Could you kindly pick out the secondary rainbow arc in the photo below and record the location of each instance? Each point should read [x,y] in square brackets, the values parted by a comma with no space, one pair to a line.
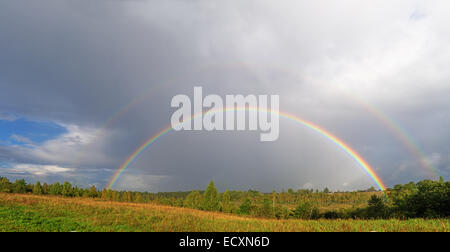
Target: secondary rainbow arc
[403,136]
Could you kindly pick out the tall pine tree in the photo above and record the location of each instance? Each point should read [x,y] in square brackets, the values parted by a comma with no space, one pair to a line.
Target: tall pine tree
[211,198]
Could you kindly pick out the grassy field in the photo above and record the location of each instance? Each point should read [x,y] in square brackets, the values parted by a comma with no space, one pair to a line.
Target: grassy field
[45,213]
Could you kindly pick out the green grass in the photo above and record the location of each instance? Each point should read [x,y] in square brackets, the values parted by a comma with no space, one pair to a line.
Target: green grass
[48,214]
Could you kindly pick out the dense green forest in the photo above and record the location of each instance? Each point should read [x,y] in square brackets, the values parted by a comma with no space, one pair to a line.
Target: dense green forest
[424,199]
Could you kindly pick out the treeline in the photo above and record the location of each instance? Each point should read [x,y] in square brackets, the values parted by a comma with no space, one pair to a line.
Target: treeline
[425,199]
[65,189]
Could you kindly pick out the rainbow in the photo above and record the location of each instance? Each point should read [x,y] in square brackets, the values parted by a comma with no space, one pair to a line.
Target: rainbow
[396,130]
[402,135]
[341,144]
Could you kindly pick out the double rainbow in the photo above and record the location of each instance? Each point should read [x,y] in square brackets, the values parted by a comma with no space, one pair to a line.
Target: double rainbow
[403,136]
[341,144]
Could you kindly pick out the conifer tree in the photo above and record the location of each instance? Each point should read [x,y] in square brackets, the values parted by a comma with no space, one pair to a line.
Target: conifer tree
[37,188]
[226,202]
[67,190]
[93,192]
[211,198]
[45,188]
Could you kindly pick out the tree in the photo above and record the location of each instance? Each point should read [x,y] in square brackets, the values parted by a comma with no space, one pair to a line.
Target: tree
[426,199]
[282,212]
[211,198]
[37,188]
[377,208]
[123,196]
[371,189]
[266,209]
[431,199]
[67,190]
[274,200]
[226,202]
[5,185]
[55,189]
[114,195]
[400,196]
[194,200]
[104,194]
[306,210]
[246,207]
[137,197]
[45,188]
[20,186]
[93,192]
[326,190]
[76,192]
[85,194]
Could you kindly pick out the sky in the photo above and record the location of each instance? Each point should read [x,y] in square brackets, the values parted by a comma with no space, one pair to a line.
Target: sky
[84,83]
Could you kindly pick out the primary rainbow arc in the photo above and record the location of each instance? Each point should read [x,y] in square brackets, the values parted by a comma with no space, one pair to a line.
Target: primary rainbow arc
[341,144]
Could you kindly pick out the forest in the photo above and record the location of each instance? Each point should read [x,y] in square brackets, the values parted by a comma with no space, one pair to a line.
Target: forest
[425,199]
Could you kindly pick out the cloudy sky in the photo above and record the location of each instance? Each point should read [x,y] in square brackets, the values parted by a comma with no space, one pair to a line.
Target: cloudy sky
[84,83]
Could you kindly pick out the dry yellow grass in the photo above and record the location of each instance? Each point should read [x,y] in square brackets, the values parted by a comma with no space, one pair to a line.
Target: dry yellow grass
[49,213]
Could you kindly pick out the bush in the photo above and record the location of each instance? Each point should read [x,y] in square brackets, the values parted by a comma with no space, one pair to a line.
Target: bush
[332,215]
[245,208]
[377,208]
[306,210]
[266,210]
[282,212]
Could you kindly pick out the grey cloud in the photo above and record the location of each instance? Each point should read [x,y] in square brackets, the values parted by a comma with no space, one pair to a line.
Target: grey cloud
[110,68]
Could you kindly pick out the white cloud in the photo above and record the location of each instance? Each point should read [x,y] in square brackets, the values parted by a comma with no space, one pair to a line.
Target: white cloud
[21,139]
[308,185]
[39,170]
[79,146]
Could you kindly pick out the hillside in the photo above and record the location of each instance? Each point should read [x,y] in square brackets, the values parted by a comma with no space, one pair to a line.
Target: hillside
[24,212]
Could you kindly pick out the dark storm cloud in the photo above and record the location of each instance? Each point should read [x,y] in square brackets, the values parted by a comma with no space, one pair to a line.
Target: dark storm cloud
[80,62]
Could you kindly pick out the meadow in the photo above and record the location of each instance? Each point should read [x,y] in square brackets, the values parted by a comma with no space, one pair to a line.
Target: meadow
[28,212]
